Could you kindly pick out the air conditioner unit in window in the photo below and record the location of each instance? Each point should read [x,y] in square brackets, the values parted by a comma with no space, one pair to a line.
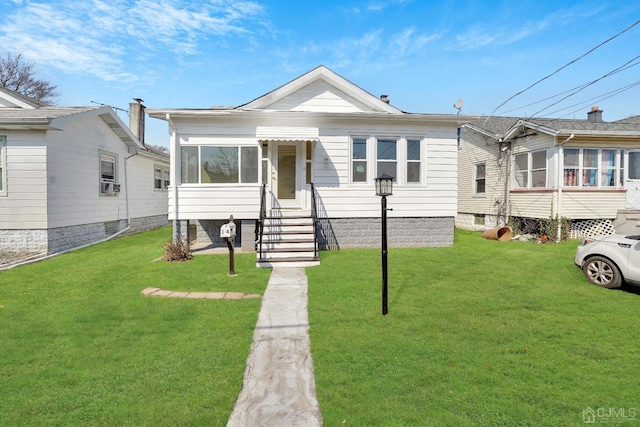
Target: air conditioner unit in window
[116,188]
[106,187]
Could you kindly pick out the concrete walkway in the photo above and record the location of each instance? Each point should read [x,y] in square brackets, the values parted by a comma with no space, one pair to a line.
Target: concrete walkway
[278,385]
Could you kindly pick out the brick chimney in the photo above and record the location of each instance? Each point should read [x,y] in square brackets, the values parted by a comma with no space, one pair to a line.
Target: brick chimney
[136,118]
[595,115]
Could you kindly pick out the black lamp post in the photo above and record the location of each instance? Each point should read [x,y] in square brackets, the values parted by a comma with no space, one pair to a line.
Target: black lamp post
[384,188]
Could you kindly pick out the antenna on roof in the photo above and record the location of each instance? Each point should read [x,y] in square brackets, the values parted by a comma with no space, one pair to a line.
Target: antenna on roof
[106,105]
[458,105]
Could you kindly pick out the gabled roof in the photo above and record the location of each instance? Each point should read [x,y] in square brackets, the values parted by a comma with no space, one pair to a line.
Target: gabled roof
[335,81]
[502,128]
[28,114]
[9,98]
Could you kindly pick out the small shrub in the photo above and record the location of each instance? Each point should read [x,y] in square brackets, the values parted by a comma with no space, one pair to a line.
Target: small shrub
[177,250]
[541,227]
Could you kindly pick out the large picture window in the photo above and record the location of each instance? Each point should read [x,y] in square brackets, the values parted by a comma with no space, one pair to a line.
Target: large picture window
[387,157]
[593,167]
[530,170]
[3,165]
[219,165]
[359,159]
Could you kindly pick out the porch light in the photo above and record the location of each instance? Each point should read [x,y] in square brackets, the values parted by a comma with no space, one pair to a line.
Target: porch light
[384,185]
[384,188]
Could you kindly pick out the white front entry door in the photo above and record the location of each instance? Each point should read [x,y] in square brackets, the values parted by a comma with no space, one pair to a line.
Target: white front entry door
[287,178]
[632,180]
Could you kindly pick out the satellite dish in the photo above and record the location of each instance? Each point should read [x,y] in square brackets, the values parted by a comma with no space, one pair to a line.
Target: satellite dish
[458,104]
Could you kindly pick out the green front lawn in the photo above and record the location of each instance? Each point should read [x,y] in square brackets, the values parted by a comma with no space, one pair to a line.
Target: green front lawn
[481,333]
[80,345]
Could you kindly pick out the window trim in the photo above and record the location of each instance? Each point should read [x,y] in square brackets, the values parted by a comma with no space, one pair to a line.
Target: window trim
[238,147]
[619,169]
[395,161]
[352,160]
[101,181]
[3,165]
[164,183]
[420,161]
[530,170]
[476,179]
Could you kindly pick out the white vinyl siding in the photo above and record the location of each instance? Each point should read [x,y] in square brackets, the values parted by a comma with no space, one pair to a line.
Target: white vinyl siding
[3,165]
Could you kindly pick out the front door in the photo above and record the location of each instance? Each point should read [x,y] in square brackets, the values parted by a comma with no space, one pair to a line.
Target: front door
[632,181]
[285,178]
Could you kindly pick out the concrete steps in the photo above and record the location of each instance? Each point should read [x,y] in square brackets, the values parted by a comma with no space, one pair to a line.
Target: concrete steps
[288,240]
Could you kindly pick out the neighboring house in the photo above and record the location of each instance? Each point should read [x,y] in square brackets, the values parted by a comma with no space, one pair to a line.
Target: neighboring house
[318,136]
[547,169]
[73,176]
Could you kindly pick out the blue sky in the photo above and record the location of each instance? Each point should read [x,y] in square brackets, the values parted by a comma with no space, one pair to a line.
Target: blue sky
[424,54]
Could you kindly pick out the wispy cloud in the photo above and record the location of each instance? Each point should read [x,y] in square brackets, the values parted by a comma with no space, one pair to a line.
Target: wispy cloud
[96,37]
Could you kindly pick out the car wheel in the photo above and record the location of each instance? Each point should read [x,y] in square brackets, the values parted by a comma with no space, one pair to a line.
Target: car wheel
[602,272]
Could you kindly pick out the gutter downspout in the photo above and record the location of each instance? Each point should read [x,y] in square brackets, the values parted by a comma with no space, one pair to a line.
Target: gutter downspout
[560,184]
[507,184]
[175,161]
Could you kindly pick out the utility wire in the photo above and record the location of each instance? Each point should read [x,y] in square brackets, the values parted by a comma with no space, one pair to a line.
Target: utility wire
[565,66]
[610,73]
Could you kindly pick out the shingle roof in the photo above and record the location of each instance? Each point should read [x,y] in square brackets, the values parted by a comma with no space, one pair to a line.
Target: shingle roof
[500,125]
[42,113]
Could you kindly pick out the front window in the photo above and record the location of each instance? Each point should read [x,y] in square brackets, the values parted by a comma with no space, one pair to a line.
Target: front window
[634,165]
[108,173]
[387,157]
[219,165]
[593,167]
[413,160]
[480,178]
[359,159]
[530,170]
[3,165]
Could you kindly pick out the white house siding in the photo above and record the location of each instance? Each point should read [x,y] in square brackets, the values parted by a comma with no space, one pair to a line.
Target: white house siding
[74,174]
[319,96]
[474,149]
[148,207]
[592,204]
[23,211]
[531,204]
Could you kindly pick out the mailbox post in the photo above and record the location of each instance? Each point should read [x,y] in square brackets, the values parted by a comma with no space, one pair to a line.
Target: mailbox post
[228,233]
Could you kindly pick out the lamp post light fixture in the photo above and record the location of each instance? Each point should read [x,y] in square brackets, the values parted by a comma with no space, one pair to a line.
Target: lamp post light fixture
[384,188]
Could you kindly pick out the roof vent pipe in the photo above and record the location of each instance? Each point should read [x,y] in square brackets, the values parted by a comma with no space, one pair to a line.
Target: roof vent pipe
[385,98]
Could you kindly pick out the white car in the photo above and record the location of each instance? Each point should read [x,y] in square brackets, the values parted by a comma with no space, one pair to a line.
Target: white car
[609,261]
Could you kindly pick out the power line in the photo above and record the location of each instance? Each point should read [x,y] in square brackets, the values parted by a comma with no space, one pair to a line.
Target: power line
[610,73]
[565,66]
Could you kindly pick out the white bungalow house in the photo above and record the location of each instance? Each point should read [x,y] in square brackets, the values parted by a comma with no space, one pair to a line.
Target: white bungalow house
[587,171]
[71,176]
[311,149]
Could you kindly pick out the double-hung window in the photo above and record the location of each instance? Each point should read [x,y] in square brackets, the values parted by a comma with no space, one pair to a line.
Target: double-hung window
[219,164]
[480,179]
[108,173]
[530,170]
[3,165]
[413,161]
[387,157]
[359,159]
[160,178]
[593,167]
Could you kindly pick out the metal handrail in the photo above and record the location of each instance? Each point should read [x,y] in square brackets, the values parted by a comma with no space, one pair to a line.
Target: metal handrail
[260,225]
[314,216]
